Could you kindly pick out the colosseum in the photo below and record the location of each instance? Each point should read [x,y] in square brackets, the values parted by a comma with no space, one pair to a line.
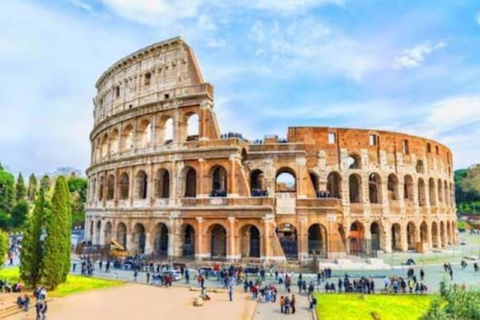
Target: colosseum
[165,180]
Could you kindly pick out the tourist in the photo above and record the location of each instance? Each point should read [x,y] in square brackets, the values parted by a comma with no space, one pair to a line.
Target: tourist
[38,309]
[148,277]
[475,267]
[135,274]
[230,292]
[282,304]
[44,310]
[254,292]
[100,265]
[287,305]
[422,274]
[451,273]
[313,302]
[187,276]
[339,285]
[292,303]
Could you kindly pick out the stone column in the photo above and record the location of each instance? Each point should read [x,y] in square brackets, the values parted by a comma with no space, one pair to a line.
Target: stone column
[130,242]
[131,188]
[387,239]
[302,239]
[199,234]
[202,122]
[148,242]
[367,237]
[299,178]
[403,238]
[231,254]
[201,179]
[267,250]
[232,183]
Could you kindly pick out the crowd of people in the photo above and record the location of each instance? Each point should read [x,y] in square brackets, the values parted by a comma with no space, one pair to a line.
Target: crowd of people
[41,307]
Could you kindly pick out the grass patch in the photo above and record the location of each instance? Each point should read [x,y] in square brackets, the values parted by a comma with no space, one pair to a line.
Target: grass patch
[354,307]
[74,284]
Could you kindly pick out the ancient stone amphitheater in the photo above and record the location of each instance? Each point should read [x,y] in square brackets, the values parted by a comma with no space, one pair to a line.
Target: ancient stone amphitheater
[164,179]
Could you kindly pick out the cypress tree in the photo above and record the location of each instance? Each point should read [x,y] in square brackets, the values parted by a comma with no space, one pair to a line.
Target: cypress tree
[3,247]
[19,214]
[32,246]
[7,191]
[21,188]
[32,188]
[45,184]
[56,263]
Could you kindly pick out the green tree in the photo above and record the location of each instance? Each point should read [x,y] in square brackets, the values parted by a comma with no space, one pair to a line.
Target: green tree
[21,189]
[19,214]
[56,263]
[78,192]
[7,192]
[45,184]
[32,188]
[454,303]
[32,246]
[3,247]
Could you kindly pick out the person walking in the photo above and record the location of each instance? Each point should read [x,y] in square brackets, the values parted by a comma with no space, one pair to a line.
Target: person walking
[148,277]
[451,274]
[230,291]
[282,304]
[287,305]
[187,276]
[44,310]
[292,303]
[38,309]
[422,274]
[313,302]
[135,274]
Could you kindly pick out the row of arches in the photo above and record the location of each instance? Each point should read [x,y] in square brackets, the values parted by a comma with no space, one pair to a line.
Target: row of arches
[145,133]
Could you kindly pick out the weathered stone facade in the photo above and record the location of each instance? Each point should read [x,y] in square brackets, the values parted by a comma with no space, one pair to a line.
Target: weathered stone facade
[157,186]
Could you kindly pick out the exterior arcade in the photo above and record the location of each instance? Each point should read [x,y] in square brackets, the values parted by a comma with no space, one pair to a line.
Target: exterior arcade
[164,179]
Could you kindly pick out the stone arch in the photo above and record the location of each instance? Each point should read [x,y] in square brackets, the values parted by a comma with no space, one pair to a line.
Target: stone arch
[424,232]
[422,201]
[98,232]
[250,241]
[408,188]
[139,238]
[317,240]
[110,187]
[122,234]
[420,167]
[167,130]
[287,234]
[431,192]
[375,188]
[190,178]
[285,180]
[355,188]
[219,181]
[354,161]
[107,233]
[141,184]
[375,233]
[114,142]
[192,122]
[314,180]
[392,187]
[124,186]
[396,237]
[101,188]
[160,242]
[440,191]
[257,183]
[435,235]
[127,138]
[188,236]
[93,192]
[411,230]
[144,134]
[162,184]
[356,237]
[218,241]
[104,146]
[334,185]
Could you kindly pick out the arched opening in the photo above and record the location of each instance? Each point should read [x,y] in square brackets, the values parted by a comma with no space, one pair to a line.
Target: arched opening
[445,190]
[114,142]
[108,233]
[92,225]
[424,232]
[192,127]
[435,240]
[190,183]
[218,241]
[105,146]
[440,191]
[127,138]
[250,241]
[161,240]
[219,182]
[431,192]
[124,186]
[375,234]
[356,238]
[189,241]
[334,185]
[144,134]
[449,234]
[257,183]
[396,237]
[122,234]
[110,187]
[355,188]
[93,193]
[411,230]
[392,187]
[98,230]
[354,161]
[162,184]
[141,184]
[100,189]
[421,193]
[317,240]
[168,131]
[314,180]
[374,188]
[420,167]
[287,234]
[139,239]
[285,180]
[408,188]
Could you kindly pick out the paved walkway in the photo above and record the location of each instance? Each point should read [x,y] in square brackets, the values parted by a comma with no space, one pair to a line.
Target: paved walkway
[271,311]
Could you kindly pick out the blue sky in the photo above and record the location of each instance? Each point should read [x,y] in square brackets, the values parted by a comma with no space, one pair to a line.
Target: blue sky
[409,66]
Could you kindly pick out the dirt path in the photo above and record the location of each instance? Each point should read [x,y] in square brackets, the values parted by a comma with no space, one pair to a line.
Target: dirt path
[134,301]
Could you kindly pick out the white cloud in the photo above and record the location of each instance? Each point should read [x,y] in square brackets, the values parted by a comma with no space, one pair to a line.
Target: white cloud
[82,5]
[215,43]
[414,57]
[290,5]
